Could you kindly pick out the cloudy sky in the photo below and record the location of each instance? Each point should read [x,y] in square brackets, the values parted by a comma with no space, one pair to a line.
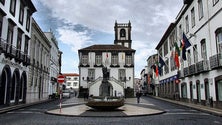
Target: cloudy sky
[81,23]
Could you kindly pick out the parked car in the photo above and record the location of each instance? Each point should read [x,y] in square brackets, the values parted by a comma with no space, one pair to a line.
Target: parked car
[66,93]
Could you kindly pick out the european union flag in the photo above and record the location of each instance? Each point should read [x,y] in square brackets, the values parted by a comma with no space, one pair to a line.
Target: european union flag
[161,62]
[185,45]
[186,41]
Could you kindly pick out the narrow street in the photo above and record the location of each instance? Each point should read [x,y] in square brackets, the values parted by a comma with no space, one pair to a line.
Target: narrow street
[175,115]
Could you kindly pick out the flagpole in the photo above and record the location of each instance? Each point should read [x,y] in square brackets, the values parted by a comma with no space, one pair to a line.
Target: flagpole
[195,48]
[162,58]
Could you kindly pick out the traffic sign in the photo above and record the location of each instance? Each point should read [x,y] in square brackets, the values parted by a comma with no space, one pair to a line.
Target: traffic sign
[60,79]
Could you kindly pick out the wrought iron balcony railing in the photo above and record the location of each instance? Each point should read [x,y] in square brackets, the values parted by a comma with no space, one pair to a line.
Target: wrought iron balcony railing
[202,66]
[216,61]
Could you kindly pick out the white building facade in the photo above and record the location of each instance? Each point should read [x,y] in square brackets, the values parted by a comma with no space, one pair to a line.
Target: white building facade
[200,74]
[54,69]
[117,58]
[72,81]
[15,33]
[40,63]
[152,79]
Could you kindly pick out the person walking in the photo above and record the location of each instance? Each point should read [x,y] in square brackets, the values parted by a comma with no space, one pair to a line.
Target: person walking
[138,95]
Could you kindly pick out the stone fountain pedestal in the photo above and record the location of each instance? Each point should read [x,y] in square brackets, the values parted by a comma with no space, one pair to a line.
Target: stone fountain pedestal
[105,103]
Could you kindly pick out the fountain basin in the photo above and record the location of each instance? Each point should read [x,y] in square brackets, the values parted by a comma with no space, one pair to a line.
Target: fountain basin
[105,103]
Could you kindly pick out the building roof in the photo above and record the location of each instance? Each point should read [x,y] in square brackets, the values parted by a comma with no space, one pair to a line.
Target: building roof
[166,34]
[70,74]
[106,47]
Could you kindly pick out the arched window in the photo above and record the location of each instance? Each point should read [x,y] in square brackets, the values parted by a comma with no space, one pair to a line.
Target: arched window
[122,33]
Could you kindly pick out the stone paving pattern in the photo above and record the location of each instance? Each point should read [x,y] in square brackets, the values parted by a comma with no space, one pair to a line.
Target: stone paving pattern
[77,107]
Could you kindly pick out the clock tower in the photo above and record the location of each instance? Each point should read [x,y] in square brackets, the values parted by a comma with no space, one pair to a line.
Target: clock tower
[123,34]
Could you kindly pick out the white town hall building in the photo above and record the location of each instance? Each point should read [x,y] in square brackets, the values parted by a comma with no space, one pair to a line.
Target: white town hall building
[117,59]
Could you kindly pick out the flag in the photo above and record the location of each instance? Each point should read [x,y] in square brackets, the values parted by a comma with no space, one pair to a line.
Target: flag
[106,61]
[184,53]
[161,63]
[157,72]
[177,54]
[186,41]
[185,45]
[176,59]
[107,55]
[155,69]
[177,48]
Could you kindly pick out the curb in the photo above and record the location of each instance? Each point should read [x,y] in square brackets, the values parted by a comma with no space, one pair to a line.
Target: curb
[110,113]
[19,106]
[197,107]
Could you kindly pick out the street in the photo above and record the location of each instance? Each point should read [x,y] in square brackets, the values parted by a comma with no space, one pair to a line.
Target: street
[175,115]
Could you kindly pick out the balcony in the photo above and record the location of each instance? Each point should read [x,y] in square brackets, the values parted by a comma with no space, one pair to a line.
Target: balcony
[12,52]
[128,66]
[9,50]
[216,61]
[180,74]
[2,46]
[20,56]
[27,60]
[186,71]
[84,65]
[192,69]
[202,66]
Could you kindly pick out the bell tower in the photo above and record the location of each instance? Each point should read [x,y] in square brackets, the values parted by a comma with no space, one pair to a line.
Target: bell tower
[123,34]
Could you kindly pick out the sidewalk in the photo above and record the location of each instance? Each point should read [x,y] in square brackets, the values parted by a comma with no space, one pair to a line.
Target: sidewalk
[210,110]
[19,106]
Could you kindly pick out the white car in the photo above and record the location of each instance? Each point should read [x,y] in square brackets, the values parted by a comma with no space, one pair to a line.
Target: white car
[66,93]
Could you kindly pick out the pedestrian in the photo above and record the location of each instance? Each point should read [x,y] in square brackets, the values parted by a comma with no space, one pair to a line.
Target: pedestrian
[138,95]
[84,95]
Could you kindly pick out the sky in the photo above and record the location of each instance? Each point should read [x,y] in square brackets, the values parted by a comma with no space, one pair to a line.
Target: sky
[80,23]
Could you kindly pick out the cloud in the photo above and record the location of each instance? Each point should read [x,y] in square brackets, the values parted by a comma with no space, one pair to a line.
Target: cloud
[85,22]
[75,39]
[70,65]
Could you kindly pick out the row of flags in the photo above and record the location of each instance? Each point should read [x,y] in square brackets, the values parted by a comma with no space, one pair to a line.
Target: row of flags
[176,54]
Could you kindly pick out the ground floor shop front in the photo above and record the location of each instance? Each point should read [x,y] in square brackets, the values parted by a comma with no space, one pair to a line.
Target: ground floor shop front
[204,89]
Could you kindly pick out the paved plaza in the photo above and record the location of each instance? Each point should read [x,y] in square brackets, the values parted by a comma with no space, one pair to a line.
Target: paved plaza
[76,107]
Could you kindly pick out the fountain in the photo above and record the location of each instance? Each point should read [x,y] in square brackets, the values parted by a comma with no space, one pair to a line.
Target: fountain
[105,101]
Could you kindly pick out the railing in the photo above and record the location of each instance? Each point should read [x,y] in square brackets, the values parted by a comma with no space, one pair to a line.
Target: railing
[117,81]
[110,79]
[202,66]
[216,61]
[95,81]
[180,74]
[11,51]
[186,71]
[192,69]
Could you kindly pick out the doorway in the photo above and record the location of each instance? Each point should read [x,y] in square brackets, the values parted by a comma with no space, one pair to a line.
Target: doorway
[5,85]
[207,91]
[198,92]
